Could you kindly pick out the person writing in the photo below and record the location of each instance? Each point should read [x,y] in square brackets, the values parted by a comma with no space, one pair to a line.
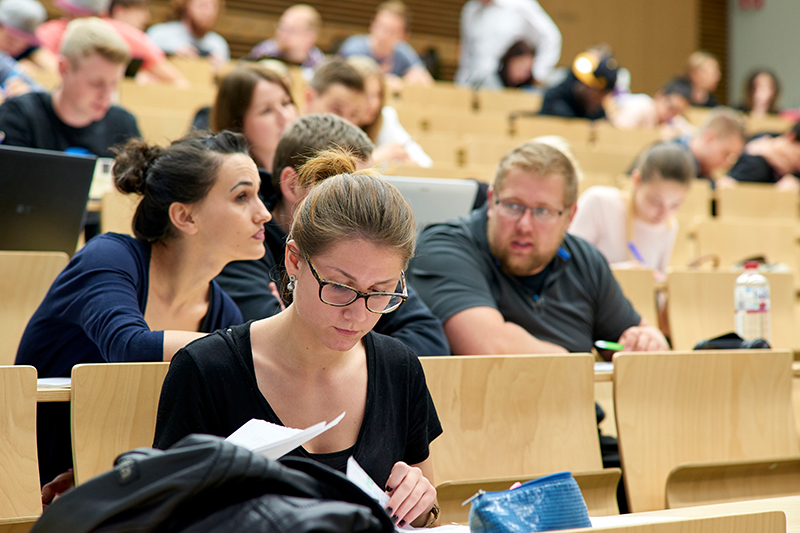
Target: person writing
[638,226]
[349,244]
[126,299]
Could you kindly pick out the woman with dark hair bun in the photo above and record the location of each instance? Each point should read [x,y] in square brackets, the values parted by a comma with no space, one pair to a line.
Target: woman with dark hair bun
[125,299]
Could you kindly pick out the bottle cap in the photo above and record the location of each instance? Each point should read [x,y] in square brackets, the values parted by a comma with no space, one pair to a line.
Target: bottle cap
[751,264]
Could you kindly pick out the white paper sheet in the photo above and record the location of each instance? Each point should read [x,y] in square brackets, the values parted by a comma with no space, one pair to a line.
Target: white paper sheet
[54,383]
[274,441]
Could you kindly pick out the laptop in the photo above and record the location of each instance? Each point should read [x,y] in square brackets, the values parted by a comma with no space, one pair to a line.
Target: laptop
[43,198]
[435,200]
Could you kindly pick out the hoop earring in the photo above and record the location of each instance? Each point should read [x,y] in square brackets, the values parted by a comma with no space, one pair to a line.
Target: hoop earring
[291,285]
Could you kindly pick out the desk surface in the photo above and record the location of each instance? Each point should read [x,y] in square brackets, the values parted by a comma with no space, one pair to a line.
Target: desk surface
[48,394]
[789,505]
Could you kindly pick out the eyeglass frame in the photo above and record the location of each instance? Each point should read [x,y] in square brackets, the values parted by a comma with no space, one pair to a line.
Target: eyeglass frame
[542,211]
[322,282]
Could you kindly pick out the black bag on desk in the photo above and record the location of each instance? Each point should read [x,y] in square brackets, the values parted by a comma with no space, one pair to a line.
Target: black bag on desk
[731,341]
[206,484]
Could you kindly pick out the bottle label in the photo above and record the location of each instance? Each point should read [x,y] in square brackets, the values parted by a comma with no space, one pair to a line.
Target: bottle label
[751,299]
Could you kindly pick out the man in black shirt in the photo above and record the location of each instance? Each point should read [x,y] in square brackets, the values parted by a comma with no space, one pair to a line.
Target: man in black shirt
[253,285]
[78,115]
[771,159]
[581,94]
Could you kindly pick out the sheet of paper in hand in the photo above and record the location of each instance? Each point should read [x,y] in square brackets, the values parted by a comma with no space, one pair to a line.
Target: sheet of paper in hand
[274,441]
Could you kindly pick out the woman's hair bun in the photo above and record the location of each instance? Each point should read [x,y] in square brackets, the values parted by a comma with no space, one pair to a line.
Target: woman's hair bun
[131,165]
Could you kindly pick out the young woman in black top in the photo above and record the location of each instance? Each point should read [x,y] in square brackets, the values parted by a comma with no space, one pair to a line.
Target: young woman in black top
[350,241]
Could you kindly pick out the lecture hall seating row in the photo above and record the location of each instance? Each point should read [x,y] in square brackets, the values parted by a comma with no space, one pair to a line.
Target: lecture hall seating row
[694,427]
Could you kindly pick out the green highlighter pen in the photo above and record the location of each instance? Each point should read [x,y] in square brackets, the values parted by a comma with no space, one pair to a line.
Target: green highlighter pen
[608,345]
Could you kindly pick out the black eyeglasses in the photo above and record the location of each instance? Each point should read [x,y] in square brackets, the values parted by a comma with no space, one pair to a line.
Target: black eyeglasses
[340,295]
[515,211]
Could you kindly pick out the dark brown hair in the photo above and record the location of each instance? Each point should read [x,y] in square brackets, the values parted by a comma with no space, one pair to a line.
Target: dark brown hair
[236,93]
[182,172]
[336,71]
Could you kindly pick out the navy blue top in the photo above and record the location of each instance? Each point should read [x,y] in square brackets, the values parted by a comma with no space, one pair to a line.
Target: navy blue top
[94,311]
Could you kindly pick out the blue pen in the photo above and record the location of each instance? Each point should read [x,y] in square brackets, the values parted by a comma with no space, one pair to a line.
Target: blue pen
[635,251]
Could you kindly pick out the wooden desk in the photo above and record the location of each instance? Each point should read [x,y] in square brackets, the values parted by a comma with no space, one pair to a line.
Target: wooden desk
[48,394]
[789,505]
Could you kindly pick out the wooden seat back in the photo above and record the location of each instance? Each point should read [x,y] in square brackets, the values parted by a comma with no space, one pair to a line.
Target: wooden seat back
[701,306]
[678,408]
[516,417]
[734,240]
[757,200]
[19,464]
[116,213]
[114,409]
[639,287]
[26,278]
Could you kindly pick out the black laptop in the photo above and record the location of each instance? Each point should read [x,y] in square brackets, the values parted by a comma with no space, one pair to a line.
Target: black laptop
[42,198]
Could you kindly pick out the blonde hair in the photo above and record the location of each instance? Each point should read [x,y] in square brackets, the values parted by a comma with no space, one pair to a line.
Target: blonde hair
[86,36]
[542,160]
[396,7]
[725,123]
[562,145]
[345,204]
[312,15]
[700,58]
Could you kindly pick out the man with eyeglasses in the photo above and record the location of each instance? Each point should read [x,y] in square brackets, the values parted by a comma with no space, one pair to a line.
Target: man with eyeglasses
[248,282]
[508,279]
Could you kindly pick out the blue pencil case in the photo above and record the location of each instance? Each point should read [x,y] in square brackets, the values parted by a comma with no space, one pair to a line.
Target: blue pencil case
[546,504]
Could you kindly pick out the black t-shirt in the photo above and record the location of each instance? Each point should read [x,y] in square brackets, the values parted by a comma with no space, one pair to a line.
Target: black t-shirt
[211,388]
[560,101]
[573,302]
[753,168]
[247,282]
[30,121]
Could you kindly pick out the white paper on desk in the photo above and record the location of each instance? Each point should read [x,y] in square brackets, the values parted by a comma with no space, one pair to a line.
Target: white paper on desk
[54,383]
[274,441]
[603,366]
[630,520]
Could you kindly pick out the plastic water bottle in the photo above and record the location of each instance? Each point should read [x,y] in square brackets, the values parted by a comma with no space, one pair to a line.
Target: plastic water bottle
[751,304]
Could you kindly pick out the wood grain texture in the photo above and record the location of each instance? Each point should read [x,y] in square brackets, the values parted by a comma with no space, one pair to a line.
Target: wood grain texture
[789,505]
[736,239]
[709,483]
[763,522]
[701,306]
[518,416]
[116,213]
[678,408]
[17,525]
[114,409]
[26,278]
[19,465]
[757,200]
[507,416]
[639,287]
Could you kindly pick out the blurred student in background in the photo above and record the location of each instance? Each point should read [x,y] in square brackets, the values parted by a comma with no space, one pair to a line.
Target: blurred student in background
[393,144]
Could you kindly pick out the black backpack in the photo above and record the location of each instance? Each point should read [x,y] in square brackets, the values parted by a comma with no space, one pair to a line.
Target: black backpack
[205,484]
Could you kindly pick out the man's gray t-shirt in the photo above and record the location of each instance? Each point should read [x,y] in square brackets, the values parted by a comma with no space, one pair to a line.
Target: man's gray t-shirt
[580,302]
[403,57]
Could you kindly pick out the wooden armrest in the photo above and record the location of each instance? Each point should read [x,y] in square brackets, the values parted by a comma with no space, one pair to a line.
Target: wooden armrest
[763,522]
[17,525]
[708,483]
[599,489]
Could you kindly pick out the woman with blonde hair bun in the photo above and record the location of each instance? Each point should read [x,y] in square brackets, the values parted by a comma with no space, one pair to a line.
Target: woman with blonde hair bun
[351,239]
